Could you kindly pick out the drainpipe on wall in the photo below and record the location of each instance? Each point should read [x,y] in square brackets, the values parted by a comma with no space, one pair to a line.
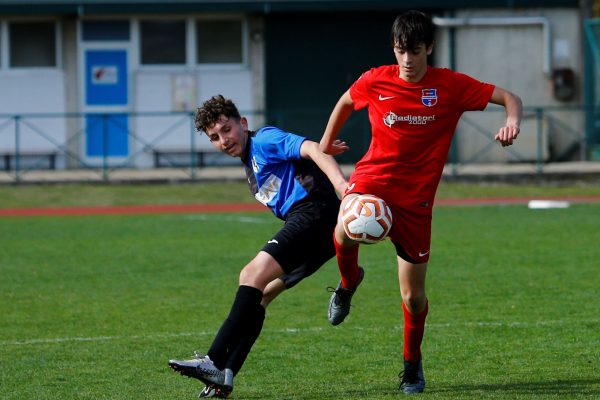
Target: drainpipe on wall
[454,155]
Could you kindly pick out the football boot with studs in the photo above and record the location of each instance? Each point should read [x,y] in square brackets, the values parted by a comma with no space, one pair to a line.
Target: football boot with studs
[412,379]
[201,367]
[340,301]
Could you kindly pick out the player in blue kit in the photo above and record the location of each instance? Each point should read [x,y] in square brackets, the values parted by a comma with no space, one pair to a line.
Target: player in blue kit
[298,182]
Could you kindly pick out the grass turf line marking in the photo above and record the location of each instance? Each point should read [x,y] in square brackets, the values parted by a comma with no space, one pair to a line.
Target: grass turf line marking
[482,324]
[96,338]
[227,218]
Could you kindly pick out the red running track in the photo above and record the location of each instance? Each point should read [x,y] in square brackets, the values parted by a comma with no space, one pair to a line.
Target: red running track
[247,207]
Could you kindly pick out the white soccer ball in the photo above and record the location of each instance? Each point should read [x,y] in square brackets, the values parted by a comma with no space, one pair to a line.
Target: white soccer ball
[367,219]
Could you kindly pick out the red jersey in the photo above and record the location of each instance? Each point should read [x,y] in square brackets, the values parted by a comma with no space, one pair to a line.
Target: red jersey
[412,125]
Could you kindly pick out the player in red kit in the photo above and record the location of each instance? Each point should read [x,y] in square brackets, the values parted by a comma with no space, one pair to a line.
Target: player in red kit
[413,110]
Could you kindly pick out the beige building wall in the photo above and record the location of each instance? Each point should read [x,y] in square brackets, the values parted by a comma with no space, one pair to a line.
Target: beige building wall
[518,50]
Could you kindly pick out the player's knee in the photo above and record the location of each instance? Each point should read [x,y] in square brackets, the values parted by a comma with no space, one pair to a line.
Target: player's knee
[342,238]
[415,303]
[248,275]
[255,276]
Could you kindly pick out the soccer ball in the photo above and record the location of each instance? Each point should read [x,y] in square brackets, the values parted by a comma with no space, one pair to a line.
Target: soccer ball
[367,219]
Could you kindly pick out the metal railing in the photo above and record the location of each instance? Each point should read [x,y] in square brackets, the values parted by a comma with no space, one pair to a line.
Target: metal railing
[103,143]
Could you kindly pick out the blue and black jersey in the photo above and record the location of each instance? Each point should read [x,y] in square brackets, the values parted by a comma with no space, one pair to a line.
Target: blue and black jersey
[278,176]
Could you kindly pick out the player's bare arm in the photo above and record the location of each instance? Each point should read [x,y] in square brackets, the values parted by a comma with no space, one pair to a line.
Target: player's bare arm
[337,119]
[310,150]
[514,113]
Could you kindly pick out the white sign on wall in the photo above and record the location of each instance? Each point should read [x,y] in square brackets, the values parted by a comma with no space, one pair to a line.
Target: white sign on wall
[183,92]
[105,75]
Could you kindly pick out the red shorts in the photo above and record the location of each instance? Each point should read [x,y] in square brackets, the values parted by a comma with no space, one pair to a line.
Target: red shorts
[411,227]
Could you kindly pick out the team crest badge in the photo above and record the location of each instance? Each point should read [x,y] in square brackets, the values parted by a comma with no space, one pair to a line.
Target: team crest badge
[429,97]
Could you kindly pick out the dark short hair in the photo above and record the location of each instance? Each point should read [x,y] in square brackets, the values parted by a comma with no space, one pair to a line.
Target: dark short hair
[211,111]
[412,28]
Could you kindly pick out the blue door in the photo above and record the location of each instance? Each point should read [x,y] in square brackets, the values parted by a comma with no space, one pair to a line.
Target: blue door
[106,93]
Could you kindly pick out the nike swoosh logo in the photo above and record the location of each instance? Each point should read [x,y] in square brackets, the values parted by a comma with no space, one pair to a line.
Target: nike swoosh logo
[273,241]
[423,254]
[350,187]
[385,98]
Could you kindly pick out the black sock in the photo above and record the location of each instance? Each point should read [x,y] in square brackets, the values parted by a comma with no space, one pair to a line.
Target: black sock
[236,326]
[238,356]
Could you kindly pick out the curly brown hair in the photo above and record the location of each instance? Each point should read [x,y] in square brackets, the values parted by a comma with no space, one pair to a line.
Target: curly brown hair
[213,109]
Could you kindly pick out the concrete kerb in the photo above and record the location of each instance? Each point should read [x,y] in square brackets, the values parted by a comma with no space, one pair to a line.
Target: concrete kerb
[586,172]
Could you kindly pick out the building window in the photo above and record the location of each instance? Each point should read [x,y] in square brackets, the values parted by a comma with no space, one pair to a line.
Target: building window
[32,44]
[219,41]
[163,42]
[105,30]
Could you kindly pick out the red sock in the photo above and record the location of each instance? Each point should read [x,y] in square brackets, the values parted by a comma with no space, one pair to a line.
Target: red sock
[414,328]
[347,259]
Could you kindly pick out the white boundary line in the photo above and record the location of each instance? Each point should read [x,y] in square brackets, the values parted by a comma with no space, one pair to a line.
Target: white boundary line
[482,324]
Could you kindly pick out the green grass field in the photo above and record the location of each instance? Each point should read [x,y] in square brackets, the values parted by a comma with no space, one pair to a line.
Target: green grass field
[92,307]
[120,195]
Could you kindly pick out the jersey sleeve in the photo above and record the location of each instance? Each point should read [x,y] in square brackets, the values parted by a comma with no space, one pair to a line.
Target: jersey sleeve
[277,145]
[359,91]
[473,95]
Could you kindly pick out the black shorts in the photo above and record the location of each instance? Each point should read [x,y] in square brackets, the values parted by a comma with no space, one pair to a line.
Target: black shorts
[305,242]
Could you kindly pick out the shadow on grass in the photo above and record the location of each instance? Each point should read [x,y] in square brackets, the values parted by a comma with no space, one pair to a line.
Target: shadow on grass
[582,387]
[568,388]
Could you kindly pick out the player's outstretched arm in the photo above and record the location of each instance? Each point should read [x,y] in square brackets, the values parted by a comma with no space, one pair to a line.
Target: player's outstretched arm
[326,163]
[337,119]
[514,113]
